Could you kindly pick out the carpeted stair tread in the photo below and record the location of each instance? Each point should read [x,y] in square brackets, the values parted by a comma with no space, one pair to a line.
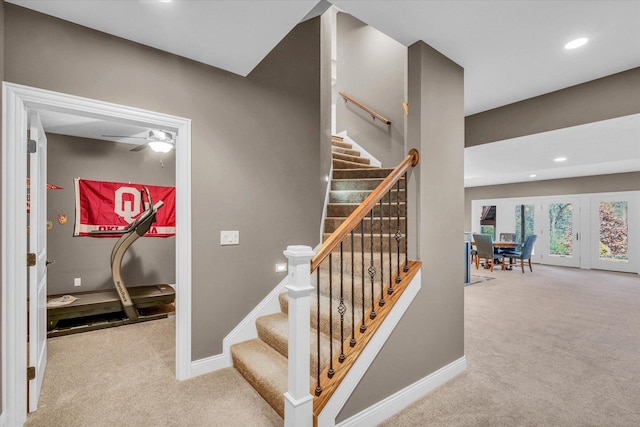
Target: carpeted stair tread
[324,313]
[274,330]
[381,267]
[368,240]
[350,158]
[358,184]
[358,196]
[342,144]
[348,151]
[345,209]
[338,141]
[368,172]
[264,368]
[332,223]
[344,164]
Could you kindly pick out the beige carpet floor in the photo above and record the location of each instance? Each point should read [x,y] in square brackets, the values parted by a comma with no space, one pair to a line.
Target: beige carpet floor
[125,376]
[556,347]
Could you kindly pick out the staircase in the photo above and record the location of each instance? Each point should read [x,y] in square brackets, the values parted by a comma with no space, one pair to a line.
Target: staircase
[263,361]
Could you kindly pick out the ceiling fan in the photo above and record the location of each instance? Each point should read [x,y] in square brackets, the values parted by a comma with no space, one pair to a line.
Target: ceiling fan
[159,141]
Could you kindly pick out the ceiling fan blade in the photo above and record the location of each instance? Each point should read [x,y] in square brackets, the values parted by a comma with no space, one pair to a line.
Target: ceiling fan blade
[139,147]
[124,136]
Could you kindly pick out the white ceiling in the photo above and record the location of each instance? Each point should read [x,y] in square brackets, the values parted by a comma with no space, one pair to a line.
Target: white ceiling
[85,127]
[599,148]
[510,50]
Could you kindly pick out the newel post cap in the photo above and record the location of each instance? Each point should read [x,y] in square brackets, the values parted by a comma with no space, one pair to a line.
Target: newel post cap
[295,252]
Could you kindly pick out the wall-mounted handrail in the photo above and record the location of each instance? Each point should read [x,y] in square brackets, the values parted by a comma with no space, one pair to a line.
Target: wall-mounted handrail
[364,208]
[373,114]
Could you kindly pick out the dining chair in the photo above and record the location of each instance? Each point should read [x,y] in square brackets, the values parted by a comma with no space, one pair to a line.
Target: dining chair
[524,254]
[484,247]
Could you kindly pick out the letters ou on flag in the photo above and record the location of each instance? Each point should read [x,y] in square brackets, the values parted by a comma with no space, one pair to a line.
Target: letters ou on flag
[103,205]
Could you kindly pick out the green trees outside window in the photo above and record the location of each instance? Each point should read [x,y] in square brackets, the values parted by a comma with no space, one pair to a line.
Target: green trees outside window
[614,229]
[560,229]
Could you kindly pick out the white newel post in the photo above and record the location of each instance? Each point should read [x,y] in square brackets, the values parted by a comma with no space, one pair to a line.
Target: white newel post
[298,401]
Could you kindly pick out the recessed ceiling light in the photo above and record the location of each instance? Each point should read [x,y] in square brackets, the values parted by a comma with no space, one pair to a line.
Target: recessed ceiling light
[560,159]
[533,175]
[165,1]
[576,43]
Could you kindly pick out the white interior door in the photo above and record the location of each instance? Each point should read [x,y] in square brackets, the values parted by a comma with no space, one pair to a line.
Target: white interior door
[559,232]
[37,245]
[614,230]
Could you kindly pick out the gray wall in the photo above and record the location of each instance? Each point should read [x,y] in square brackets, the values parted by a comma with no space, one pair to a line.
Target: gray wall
[588,184]
[255,153]
[612,96]
[148,261]
[431,333]
[371,67]
[1,79]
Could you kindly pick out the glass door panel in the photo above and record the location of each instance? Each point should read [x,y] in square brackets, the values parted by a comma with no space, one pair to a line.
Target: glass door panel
[561,229]
[525,221]
[612,246]
[560,232]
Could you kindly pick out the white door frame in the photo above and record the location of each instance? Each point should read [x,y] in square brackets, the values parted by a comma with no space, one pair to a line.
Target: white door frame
[16,98]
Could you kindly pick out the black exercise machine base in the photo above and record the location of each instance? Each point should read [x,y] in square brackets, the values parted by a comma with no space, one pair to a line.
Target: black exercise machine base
[94,323]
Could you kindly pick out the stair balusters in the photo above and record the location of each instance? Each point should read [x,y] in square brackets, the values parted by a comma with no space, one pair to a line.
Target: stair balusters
[380,247]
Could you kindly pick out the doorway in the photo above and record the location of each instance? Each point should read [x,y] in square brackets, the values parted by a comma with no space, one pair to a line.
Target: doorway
[18,102]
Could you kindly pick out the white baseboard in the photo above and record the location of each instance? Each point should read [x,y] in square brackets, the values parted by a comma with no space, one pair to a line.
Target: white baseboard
[209,364]
[363,153]
[395,403]
[3,421]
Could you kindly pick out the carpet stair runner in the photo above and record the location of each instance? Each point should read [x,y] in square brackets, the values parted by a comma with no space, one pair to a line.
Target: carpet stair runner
[263,361]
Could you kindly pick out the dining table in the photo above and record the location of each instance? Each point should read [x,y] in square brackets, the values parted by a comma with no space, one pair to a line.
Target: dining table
[503,245]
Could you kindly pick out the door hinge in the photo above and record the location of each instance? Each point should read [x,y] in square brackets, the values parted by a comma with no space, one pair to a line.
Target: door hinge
[31,373]
[31,146]
[31,259]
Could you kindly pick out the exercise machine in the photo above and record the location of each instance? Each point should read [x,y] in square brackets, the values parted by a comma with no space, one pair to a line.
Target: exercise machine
[114,307]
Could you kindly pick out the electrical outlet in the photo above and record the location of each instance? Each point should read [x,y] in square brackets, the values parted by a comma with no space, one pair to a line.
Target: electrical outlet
[77,282]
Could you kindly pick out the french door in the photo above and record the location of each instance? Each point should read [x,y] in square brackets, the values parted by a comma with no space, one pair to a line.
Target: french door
[614,242]
[558,228]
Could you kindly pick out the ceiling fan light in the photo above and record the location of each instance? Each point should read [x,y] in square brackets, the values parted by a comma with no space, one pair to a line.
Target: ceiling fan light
[160,135]
[160,146]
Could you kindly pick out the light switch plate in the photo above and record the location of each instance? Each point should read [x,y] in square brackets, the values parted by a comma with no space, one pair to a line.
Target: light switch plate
[229,238]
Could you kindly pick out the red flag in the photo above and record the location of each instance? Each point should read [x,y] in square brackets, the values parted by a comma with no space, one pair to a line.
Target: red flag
[102,205]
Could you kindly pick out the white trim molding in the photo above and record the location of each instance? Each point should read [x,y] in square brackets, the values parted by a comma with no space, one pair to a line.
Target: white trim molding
[16,100]
[395,403]
[3,420]
[328,415]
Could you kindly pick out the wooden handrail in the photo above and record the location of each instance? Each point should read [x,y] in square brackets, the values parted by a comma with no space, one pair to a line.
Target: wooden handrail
[361,211]
[365,108]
